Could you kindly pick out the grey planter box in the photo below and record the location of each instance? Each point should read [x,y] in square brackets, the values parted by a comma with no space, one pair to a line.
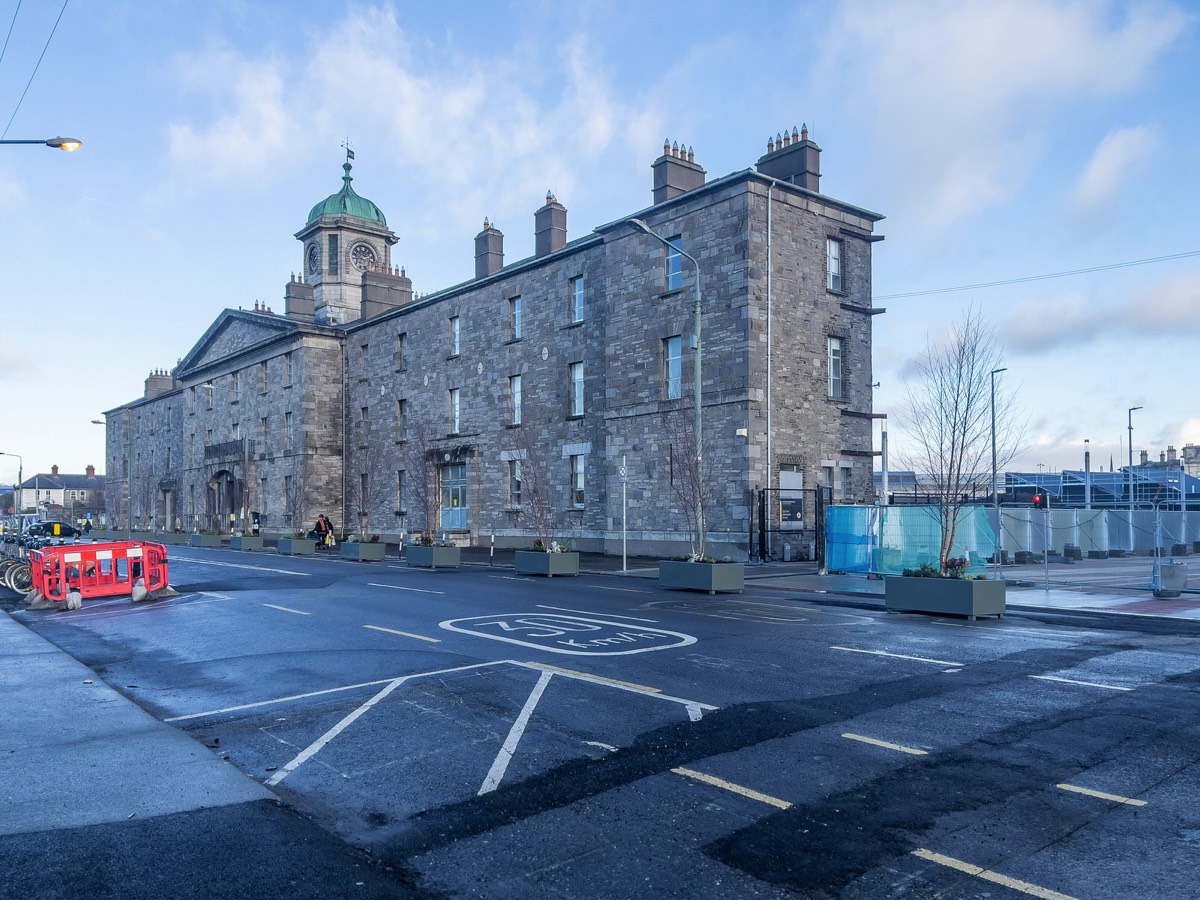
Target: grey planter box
[297,546]
[946,596]
[246,542]
[537,562]
[171,537]
[422,556]
[361,551]
[206,540]
[701,576]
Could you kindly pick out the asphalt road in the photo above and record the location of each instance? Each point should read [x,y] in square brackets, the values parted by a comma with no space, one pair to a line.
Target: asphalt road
[474,733]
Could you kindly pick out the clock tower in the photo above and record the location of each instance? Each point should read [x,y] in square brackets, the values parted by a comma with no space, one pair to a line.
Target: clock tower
[346,235]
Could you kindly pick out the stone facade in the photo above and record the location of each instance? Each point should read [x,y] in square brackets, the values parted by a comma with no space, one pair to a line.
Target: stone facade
[358,412]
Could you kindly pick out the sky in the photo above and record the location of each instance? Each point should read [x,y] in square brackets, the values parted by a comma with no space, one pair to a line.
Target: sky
[1004,141]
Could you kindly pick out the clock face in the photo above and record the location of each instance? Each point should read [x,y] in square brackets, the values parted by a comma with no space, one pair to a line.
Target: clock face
[314,258]
[362,256]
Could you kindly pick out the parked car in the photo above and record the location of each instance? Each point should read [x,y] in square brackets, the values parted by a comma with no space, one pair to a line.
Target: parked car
[53,529]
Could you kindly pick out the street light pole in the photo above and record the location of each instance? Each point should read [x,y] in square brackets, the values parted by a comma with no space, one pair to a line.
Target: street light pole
[998,550]
[1132,409]
[20,478]
[57,143]
[642,226]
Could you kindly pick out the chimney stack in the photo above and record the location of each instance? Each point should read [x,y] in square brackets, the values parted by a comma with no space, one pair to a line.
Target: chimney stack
[1170,453]
[1144,456]
[675,172]
[91,471]
[793,158]
[489,251]
[549,227]
[158,383]
[54,471]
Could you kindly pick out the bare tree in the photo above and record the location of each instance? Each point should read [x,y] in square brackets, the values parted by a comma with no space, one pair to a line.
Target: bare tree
[947,416]
[690,476]
[539,488]
[367,487]
[295,494]
[421,477]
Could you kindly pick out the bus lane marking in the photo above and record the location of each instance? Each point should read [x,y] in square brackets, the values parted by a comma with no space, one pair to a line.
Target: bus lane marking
[936,662]
[571,635]
[1024,887]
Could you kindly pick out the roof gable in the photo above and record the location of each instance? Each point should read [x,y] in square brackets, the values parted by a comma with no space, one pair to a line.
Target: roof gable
[233,332]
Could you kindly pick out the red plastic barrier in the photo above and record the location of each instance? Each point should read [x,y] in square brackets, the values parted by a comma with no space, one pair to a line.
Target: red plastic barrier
[106,569]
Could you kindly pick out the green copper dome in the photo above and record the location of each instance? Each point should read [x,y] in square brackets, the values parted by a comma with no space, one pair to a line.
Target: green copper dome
[347,203]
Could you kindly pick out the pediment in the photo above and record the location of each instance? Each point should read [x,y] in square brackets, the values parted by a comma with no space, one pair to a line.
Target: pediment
[233,332]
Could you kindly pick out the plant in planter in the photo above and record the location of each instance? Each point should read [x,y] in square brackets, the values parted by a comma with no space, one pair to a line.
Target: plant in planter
[690,484]
[926,589]
[532,489]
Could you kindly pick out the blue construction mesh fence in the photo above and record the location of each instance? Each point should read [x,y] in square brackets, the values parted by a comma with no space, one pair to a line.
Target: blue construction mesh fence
[889,539]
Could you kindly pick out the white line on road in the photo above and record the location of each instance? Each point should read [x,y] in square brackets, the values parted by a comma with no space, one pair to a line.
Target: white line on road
[1115,798]
[590,613]
[287,609]
[887,745]
[396,587]
[936,662]
[504,757]
[979,872]
[322,693]
[419,637]
[1107,687]
[694,708]
[734,788]
[604,587]
[229,565]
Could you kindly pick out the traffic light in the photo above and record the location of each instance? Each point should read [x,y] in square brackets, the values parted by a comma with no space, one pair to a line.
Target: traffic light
[1041,501]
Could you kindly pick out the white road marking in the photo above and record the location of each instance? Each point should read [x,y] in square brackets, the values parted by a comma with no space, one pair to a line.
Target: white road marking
[504,757]
[609,747]
[1115,798]
[287,609]
[589,677]
[214,596]
[336,690]
[604,587]
[734,788]
[695,709]
[887,745]
[315,747]
[1107,687]
[936,662]
[229,565]
[419,637]
[979,872]
[396,587]
[590,613]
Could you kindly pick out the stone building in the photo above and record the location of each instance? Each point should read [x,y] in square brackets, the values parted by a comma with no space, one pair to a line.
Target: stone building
[362,397]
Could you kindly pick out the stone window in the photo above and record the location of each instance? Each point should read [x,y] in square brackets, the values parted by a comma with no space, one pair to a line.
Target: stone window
[287,431]
[287,368]
[398,354]
[575,374]
[401,496]
[333,254]
[455,336]
[454,410]
[401,420]
[836,387]
[514,398]
[262,378]
[674,264]
[673,367]
[576,299]
[234,384]
[362,361]
[363,413]
[833,265]
[514,317]
[454,496]
[514,483]
[208,395]
[577,480]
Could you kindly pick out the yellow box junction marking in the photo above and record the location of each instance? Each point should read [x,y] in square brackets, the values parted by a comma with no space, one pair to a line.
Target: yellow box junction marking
[1024,887]
[887,745]
[419,637]
[735,788]
[1115,798]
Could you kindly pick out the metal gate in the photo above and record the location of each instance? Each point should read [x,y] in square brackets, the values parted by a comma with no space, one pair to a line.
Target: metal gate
[789,524]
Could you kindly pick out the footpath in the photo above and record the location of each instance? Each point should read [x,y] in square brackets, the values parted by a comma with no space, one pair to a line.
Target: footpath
[100,799]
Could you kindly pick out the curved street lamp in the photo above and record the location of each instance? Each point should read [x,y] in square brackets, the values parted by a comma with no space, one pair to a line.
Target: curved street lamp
[58,143]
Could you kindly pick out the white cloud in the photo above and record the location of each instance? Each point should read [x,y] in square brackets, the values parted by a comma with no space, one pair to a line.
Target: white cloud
[964,94]
[1110,165]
